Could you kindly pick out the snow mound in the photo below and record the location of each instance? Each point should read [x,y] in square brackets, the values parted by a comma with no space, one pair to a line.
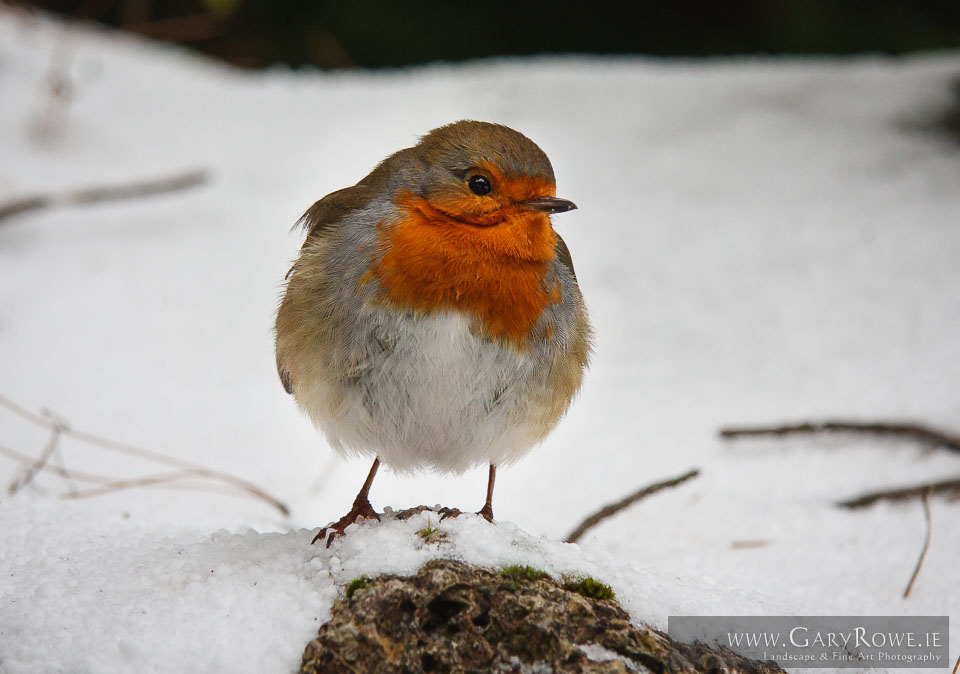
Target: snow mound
[249,602]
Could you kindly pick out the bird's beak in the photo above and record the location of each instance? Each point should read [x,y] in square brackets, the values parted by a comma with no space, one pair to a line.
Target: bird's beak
[550,204]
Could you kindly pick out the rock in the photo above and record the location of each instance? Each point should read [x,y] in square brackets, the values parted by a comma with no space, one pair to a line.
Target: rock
[453,617]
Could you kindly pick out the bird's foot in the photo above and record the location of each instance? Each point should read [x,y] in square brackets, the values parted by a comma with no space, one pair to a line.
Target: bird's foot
[450,513]
[361,510]
[486,512]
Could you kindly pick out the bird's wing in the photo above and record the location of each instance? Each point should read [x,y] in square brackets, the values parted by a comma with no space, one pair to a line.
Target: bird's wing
[284,377]
[324,215]
[563,255]
[319,221]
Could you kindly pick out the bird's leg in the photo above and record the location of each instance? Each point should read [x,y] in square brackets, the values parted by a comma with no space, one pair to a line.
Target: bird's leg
[486,512]
[361,509]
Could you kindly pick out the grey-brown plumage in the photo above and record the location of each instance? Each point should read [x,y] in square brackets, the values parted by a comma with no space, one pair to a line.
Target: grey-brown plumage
[433,318]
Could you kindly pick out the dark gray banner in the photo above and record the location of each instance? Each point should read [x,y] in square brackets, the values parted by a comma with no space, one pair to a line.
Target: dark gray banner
[824,641]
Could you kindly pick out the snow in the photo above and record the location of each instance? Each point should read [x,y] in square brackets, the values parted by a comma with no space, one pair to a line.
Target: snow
[598,653]
[757,240]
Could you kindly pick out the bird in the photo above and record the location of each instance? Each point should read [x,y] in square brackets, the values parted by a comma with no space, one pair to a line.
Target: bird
[433,318]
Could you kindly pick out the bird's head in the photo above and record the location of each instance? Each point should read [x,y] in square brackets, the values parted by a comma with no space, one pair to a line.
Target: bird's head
[486,182]
[482,174]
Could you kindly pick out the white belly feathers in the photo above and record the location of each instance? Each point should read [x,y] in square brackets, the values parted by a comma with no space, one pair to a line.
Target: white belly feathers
[429,394]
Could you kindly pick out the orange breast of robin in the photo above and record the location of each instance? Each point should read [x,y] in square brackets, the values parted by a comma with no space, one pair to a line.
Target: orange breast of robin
[458,254]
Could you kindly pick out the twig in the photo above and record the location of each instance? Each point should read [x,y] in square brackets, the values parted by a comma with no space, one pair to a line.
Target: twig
[142,188]
[107,483]
[145,481]
[26,477]
[187,468]
[62,470]
[614,508]
[926,543]
[956,666]
[90,438]
[950,488]
[907,430]
[80,476]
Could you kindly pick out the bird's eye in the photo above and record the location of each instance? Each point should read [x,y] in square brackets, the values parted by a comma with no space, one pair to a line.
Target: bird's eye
[480,185]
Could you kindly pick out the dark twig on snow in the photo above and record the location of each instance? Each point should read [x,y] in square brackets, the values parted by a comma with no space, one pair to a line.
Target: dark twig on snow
[186,469]
[142,188]
[926,543]
[905,430]
[949,488]
[614,508]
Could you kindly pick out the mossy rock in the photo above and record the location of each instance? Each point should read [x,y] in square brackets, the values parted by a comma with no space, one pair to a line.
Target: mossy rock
[355,584]
[453,617]
[516,575]
[589,588]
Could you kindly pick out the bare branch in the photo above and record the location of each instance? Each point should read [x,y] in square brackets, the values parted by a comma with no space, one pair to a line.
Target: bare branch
[61,469]
[142,188]
[926,543]
[106,484]
[80,476]
[614,508]
[26,477]
[187,468]
[145,481]
[905,430]
[949,488]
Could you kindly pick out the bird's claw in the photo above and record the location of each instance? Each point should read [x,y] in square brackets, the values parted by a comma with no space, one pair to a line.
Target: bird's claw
[450,513]
[360,510]
[486,512]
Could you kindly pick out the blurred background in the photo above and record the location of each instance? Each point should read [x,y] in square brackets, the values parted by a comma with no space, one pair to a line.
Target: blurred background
[760,241]
[332,34]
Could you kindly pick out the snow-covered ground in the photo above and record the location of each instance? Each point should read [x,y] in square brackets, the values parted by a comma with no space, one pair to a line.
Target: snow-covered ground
[758,240]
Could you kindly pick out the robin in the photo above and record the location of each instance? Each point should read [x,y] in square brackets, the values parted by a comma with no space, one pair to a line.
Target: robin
[433,317]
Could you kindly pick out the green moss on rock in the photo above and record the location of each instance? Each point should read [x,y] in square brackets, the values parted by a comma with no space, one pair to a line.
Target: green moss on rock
[517,575]
[453,617]
[356,584]
[589,588]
